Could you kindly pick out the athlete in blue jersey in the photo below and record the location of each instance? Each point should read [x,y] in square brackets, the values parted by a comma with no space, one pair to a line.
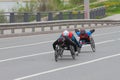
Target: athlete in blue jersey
[83,34]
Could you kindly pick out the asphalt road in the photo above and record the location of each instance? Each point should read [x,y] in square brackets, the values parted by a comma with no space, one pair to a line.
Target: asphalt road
[32,58]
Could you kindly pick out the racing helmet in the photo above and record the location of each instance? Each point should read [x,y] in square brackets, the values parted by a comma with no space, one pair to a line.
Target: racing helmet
[65,33]
[82,31]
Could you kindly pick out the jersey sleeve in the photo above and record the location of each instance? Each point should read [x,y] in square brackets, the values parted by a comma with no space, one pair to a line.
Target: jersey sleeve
[78,33]
[89,33]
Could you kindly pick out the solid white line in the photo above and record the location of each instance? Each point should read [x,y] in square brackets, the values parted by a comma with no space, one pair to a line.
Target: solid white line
[16,58]
[26,45]
[67,67]
[33,44]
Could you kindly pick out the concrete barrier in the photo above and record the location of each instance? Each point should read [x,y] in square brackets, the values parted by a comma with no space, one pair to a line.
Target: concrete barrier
[53,26]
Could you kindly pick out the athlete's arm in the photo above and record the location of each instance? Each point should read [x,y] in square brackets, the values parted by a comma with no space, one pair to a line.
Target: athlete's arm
[93,30]
[77,32]
[90,32]
[54,44]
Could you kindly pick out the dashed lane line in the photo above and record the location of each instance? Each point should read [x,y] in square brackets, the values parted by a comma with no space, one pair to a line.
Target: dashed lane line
[43,53]
[44,42]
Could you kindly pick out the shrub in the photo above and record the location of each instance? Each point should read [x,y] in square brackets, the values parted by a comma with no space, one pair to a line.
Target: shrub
[3,18]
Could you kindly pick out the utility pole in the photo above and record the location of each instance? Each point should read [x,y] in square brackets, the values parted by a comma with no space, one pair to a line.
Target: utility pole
[86,9]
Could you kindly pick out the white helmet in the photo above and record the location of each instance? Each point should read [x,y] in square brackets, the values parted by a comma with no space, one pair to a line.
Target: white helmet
[65,33]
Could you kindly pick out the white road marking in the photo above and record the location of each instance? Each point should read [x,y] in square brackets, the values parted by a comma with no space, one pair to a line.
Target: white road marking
[16,58]
[33,44]
[26,45]
[67,67]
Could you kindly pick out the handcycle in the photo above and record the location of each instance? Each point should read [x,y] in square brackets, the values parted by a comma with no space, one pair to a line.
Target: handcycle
[84,42]
[60,49]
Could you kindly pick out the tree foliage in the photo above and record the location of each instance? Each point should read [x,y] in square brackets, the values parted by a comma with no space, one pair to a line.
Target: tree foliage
[47,5]
[39,5]
[3,18]
[76,2]
[29,7]
[36,6]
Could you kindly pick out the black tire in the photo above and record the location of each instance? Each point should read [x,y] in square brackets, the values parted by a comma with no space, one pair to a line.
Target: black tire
[92,44]
[56,56]
[78,50]
[61,53]
[72,50]
[58,52]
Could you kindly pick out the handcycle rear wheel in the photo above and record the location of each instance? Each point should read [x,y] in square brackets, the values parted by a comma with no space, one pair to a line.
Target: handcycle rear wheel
[92,44]
[78,50]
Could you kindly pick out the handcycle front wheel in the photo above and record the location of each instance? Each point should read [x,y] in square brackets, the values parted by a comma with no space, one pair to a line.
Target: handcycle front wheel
[56,56]
[72,50]
[58,52]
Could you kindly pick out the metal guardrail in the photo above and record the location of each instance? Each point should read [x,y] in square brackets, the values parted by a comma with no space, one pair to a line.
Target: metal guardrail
[15,17]
[55,25]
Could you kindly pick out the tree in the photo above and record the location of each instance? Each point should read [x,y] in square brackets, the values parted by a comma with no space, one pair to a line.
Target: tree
[29,7]
[39,5]
[36,6]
